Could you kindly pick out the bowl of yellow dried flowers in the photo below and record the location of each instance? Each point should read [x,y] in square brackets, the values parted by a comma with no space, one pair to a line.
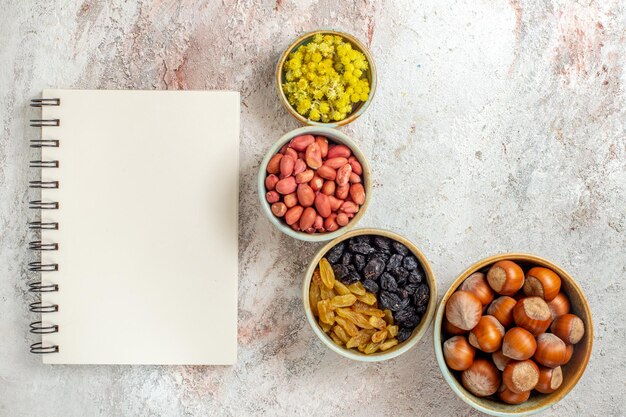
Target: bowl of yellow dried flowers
[326,78]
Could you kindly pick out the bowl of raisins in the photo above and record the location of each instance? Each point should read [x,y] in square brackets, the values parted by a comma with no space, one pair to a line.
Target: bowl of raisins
[369,295]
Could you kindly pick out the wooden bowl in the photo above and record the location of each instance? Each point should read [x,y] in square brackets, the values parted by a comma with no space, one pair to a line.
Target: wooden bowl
[572,371]
[359,109]
[337,137]
[400,348]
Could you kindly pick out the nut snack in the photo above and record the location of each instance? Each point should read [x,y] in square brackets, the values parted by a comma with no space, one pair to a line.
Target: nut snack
[314,184]
[508,332]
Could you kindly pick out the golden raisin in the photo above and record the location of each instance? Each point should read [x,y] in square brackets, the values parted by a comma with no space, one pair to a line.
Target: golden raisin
[388,316]
[388,344]
[393,330]
[357,288]
[326,271]
[347,325]
[367,298]
[367,310]
[326,313]
[325,326]
[317,278]
[357,318]
[379,336]
[371,348]
[359,339]
[340,288]
[341,333]
[314,297]
[325,293]
[336,339]
[342,301]
[377,322]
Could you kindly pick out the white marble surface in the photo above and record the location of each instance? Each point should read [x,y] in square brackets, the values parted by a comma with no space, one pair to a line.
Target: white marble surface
[497,126]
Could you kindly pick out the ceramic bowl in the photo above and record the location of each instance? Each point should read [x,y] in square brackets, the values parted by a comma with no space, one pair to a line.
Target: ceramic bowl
[359,108]
[397,350]
[572,371]
[337,137]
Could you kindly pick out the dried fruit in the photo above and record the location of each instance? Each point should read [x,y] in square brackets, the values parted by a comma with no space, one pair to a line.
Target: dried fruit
[327,273]
[325,312]
[342,300]
[357,289]
[367,298]
[377,322]
[372,271]
[360,338]
[357,318]
[388,344]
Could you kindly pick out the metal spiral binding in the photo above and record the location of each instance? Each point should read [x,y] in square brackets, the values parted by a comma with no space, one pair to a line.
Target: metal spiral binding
[43,205]
[44,164]
[43,225]
[38,287]
[41,102]
[44,122]
[39,348]
[44,143]
[43,184]
[38,327]
[39,307]
[41,267]
[39,245]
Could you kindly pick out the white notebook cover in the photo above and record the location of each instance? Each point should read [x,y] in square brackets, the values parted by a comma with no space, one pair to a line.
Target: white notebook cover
[147,227]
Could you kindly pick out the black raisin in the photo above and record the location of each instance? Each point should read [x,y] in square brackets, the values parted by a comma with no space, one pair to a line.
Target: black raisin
[335,253]
[394,262]
[346,259]
[358,261]
[404,293]
[404,314]
[380,255]
[404,333]
[361,239]
[362,248]
[388,282]
[421,309]
[350,278]
[370,286]
[416,276]
[410,288]
[382,243]
[421,296]
[392,301]
[340,271]
[408,317]
[400,248]
[409,263]
[400,274]
[374,268]
[352,270]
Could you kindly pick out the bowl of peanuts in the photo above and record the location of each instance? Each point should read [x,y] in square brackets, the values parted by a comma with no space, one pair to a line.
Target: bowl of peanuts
[314,184]
[369,295]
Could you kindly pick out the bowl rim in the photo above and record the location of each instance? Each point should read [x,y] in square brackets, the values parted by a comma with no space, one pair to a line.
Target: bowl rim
[458,389]
[332,134]
[397,350]
[373,78]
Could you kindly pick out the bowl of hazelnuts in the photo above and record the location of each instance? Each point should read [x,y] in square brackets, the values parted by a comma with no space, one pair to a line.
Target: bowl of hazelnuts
[513,334]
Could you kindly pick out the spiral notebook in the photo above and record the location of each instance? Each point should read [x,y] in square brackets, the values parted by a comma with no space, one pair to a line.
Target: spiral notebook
[135,228]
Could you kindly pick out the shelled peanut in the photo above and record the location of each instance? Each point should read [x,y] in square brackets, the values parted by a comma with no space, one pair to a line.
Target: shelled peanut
[522,325]
[314,184]
[349,314]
